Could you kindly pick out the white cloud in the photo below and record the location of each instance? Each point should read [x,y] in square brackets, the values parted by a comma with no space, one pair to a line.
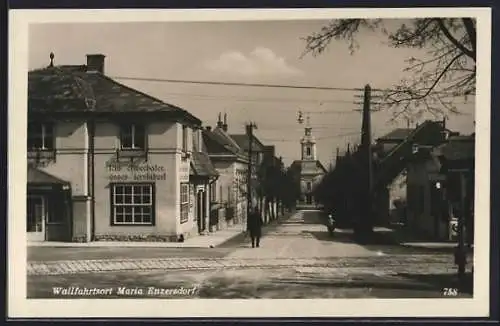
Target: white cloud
[261,61]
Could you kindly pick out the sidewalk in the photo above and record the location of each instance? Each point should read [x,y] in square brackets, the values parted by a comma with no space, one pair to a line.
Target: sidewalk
[232,234]
[199,241]
[402,236]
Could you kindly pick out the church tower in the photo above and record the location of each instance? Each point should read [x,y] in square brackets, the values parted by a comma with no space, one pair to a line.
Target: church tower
[308,144]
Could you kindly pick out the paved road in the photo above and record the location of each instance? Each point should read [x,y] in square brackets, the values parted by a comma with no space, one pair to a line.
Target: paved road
[297,258]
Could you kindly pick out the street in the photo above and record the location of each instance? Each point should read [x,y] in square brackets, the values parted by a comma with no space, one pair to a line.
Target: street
[297,259]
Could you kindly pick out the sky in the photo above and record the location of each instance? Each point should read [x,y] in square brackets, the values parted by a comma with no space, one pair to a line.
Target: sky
[264,52]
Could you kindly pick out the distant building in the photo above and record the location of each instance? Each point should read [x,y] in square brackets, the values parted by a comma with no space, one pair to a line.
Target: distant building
[308,171]
[228,201]
[105,161]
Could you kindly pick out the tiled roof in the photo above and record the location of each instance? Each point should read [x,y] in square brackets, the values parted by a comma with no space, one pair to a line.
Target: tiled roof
[219,142]
[458,148]
[397,134]
[213,145]
[202,166]
[308,167]
[73,89]
[36,176]
[243,143]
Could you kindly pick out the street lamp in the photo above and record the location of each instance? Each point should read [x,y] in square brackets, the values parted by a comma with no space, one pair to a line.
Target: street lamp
[300,119]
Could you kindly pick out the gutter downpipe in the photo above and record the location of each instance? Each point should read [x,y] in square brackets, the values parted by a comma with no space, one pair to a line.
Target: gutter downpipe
[92,177]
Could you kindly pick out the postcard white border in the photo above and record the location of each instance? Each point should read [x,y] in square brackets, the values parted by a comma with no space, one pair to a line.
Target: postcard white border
[19,306]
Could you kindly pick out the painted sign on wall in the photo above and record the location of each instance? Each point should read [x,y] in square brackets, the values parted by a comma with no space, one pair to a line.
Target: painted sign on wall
[119,172]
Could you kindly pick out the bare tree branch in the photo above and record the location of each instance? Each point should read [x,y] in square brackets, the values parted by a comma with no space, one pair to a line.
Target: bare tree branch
[455,42]
[471,32]
[433,82]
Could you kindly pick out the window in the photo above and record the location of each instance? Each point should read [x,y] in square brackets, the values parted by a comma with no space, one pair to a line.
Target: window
[184,138]
[132,204]
[184,202]
[309,186]
[308,151]
[199,137]
[213,191]
[40,136]
[133,137]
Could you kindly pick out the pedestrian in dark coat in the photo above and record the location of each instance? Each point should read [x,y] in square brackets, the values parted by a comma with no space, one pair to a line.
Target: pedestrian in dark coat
[255,226]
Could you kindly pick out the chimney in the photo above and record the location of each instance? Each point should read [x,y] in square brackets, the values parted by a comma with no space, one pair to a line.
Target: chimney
[95,63]
[219,121]
[224,126]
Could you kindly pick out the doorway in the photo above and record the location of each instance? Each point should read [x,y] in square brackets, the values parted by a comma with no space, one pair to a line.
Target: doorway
[36,217]
[200,211]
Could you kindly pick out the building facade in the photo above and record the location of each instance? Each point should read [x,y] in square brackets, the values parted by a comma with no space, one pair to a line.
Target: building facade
[257,157]
[308,171]
[105,162]
[228,202]
[434,189]
[202,176]
[397,188]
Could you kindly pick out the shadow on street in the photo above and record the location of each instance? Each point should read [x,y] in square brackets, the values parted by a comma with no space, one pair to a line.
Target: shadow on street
[443,281]
[308,286]
[383,244]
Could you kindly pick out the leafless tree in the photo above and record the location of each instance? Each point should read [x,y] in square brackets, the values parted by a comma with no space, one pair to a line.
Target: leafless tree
[434,83]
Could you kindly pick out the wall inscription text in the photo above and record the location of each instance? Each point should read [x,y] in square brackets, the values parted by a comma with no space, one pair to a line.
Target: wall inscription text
[119,172]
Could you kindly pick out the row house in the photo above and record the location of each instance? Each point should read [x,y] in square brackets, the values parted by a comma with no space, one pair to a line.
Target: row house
[202,176]
[108,162]
[425,195]
[396,190]
[228,202]
[257,157]
[434,188]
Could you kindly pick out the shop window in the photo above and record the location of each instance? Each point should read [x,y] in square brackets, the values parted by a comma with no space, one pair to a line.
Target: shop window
[184,202]
[132,137]
[132,204]
[40,136]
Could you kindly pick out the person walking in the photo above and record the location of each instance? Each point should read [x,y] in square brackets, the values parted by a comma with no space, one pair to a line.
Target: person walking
[255,226]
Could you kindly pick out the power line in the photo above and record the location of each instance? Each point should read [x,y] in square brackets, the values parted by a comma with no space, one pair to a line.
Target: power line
[317,138]
[277,128]
[256,99]
[162,80]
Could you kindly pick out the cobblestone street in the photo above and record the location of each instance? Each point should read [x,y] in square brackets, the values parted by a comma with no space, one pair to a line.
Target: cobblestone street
[297,259]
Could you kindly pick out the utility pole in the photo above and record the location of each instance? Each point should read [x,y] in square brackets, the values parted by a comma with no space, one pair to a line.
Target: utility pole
[461,236]
[367,148]
[249,130]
